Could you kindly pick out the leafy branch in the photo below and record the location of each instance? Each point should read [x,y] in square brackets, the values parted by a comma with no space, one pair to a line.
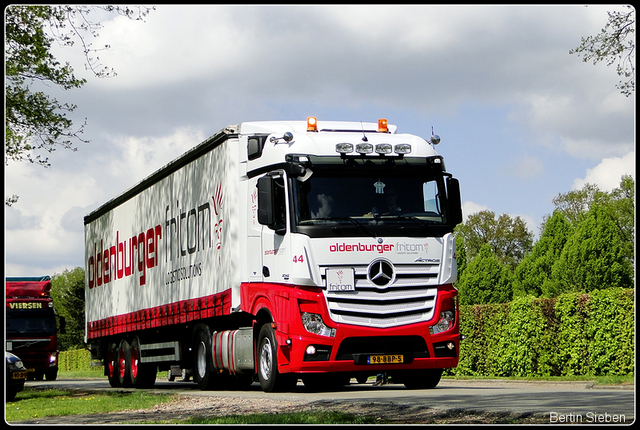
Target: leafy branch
[611,46]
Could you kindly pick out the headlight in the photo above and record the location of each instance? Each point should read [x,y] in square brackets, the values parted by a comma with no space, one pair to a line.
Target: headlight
[313,324]
[16,365]
[446,321]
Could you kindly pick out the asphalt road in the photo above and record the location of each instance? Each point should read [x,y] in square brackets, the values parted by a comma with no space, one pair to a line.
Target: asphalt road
[561,402]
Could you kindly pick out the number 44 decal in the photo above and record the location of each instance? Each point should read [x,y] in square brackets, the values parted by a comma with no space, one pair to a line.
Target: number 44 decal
[298,259]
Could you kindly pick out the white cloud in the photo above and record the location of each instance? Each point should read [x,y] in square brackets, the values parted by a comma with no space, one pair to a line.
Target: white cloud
[608,173]
[470,208]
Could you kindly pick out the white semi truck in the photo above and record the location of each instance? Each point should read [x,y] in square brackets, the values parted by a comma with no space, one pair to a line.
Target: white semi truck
[278,251]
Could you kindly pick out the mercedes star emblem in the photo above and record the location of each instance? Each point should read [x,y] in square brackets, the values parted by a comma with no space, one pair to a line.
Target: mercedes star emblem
[381,273]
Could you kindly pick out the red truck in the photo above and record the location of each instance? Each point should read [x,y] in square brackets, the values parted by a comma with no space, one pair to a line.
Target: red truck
[31,327]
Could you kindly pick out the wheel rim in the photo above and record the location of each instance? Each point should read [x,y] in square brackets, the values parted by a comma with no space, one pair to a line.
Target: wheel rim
[121,363]
[134,362]
[202,360]
[112,363]
[266,359]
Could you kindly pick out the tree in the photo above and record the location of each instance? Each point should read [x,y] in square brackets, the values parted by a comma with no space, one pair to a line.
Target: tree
[67,290]
[611,45]
[34,121]
[533,276]
[619,203]
[575,204]
[507,237]
[485,280]
[594,256]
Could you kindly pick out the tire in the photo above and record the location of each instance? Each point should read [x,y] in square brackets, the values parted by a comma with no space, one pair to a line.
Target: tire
[124,364]
[362,379]
[267,353]
[143,375]
[325,382]
[203,371]
[422,379]
[51,375]
[111,365]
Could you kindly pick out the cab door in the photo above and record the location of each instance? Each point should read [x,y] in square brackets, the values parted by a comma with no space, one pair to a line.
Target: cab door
[273,210]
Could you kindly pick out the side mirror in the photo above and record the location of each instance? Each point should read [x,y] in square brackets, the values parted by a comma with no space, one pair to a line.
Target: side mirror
[454,202]
[271,204]
[266,213]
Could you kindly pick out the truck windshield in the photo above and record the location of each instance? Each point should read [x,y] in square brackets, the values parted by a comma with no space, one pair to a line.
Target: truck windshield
[406,202]
[32,325]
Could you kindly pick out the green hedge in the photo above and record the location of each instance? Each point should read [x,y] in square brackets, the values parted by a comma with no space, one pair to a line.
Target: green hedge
[74,360]
[573,334]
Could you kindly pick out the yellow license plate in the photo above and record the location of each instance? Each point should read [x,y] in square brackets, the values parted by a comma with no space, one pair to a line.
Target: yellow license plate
[19,375]
[385,359]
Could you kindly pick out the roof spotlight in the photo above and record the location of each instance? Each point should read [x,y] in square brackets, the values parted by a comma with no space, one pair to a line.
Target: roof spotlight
[384,148]
[364,148]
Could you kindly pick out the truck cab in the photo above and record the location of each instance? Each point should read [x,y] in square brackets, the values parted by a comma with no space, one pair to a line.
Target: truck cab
[31,327]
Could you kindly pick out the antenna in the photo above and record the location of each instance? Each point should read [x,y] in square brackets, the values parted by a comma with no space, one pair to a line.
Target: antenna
[364,136]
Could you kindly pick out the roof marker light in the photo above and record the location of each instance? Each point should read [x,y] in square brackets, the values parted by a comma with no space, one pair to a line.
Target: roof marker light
[344,148]
[382,126]
[402,148]
[384,148]
[312,124]
[364,148]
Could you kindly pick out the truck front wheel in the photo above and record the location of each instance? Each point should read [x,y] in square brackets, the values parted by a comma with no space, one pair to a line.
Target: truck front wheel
[423,379]
[268,375]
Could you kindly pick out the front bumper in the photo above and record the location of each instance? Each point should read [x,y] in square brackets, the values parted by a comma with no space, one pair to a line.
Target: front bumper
[409,347]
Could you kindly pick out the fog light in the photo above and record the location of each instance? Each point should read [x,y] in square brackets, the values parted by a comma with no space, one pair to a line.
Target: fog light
[311,350]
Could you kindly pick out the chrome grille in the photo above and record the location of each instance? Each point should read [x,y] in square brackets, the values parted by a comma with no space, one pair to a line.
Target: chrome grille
[411,298]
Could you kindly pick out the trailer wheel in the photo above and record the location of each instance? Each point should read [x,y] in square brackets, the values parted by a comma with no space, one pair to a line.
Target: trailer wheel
[142,375]
[203,373]
[111,365]
[268,375]
[124,364]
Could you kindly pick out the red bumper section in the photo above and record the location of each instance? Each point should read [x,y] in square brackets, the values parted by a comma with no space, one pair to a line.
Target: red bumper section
[353,348]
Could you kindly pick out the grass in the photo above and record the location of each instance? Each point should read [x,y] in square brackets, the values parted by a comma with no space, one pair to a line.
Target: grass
[30,404]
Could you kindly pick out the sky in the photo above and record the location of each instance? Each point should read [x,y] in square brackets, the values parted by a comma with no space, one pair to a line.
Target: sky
[520,120]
